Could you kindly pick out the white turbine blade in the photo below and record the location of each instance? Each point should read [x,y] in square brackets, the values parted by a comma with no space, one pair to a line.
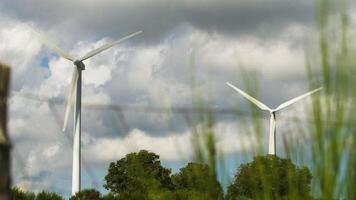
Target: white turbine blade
[272,136]
[70,97]
[107,46]
[247,96]
[53,46]
[292,101]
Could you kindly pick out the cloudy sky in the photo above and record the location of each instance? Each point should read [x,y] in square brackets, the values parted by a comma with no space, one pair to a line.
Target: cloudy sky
[211,39]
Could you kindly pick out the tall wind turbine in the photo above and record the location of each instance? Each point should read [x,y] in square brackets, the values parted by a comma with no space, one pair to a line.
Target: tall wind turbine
[76,86]
[272,128]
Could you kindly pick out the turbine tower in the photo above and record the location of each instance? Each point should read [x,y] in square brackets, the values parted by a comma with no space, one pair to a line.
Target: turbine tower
[272,128]
[76,86]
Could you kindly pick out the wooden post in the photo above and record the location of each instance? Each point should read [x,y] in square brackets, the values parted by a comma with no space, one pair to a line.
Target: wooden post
[5,180]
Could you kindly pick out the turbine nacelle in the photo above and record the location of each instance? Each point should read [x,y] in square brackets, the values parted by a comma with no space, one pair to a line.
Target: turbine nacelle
[79,64]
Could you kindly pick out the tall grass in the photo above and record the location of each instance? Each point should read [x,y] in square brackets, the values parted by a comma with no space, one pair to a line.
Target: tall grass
[332,131]
[329,139]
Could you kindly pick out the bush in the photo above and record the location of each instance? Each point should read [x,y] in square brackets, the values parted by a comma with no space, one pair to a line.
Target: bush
[48,196]
[109,196]
[91,194]
[19,194]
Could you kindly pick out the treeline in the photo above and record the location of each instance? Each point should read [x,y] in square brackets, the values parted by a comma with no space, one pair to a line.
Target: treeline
[140,176]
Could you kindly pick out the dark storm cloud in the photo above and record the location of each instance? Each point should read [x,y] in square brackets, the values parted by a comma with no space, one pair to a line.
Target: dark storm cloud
[159,17]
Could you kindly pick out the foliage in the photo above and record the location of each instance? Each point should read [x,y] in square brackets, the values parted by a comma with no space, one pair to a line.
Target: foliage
[138,176]
[270,177]
[331,136]
[197,181]
[48,196]
[19,194]
[109,196]
[91,194]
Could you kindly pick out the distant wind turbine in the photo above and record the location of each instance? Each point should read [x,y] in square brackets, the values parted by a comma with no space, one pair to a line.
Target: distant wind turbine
[272,128]
[76,86]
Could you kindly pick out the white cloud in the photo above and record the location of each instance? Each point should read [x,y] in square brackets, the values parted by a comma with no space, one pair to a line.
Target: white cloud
[52,151]
[170,147]
[21,51]
[18,47]
[115,149]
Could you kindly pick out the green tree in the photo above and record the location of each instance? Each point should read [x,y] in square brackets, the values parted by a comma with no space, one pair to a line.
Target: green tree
[270,177]
[19,194]
[197,181]
[91,194]
[139,176]
[48,196]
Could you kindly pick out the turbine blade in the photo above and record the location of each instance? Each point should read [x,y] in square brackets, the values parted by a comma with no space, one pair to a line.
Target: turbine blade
[72,90]
[50,44]
[272,136]
[292,101]
[107,46]
[250,98]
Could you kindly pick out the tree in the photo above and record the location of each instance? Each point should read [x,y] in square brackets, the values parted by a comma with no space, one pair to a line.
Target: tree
[91,194]
[48,196]
[197,181]
[139,176]
[270,177]
[109,196]
[19,194]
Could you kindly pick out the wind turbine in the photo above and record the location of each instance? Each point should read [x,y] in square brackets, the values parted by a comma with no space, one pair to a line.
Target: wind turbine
[272,128]
[76,86]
